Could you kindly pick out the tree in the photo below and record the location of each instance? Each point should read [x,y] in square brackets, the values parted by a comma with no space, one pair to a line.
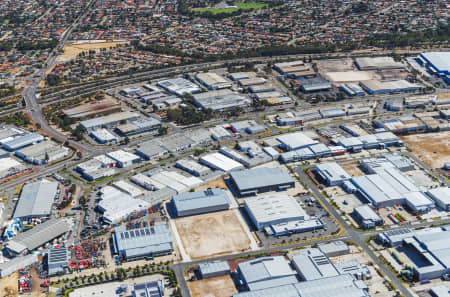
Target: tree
[78,132]
[162,130]
[99,96]
[79,155]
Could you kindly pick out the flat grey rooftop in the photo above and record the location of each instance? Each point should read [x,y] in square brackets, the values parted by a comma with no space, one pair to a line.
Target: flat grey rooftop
[260,177]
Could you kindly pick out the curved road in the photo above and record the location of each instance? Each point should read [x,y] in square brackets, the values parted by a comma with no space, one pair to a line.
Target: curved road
[32,106]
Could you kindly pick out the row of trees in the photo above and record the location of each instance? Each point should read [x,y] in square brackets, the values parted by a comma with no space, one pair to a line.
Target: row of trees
[53,80]
[19,119]
[7,90]
[440,35]
[24,45]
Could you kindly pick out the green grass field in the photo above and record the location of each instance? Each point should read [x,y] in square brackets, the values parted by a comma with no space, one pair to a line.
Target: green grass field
[240,5]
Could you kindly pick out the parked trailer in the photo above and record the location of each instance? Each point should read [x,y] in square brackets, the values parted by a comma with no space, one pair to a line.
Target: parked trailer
[393,219]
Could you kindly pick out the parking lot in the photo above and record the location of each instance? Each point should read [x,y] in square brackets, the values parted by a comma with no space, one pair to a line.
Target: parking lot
[312,208]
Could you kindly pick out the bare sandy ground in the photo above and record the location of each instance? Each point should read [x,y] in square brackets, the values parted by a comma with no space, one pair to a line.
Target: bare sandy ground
[432,148]
[221,286]
[212,234]
[71,51]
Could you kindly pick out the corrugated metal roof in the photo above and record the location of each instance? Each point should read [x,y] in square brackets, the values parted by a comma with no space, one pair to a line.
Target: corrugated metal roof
[333,172]
[106,120]
[313,264]
[212,267]
[440,291]
[39,235]
[274,209]
[441,194]
[265,268]
[296,140]
[200,199]
[337,286]
[333,247]
[143,240]
[260,177]
[367,213]
[58,255]
[36,199]
[22,141]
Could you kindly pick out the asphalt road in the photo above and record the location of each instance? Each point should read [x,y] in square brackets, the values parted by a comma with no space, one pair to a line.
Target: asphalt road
[354,235]
[179,267]
[34,109]
[32,105]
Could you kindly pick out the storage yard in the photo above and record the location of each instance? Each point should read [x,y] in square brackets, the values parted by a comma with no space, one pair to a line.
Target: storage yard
[213,234]
[220,286]
[431,148]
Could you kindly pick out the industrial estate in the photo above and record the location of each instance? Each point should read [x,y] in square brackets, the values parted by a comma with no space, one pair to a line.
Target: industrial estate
[224,149]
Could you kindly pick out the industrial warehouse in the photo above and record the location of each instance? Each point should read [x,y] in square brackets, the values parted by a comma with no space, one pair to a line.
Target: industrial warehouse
[279,215]
[428,249]
[295,141]
[138,126]
[194,203]
[42,153]
[221,100]
[221,162]
[383,187]
[36,200]
[109,120]
[32,239]
[259,180]
[179,86]
[436,62]
[213,81]
[116,205]
[58,260]
[20,141]
[314,275]
[143,243]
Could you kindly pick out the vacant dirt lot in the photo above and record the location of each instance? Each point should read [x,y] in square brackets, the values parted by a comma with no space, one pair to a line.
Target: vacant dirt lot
[8,285]
[71,51]
[431,148]
[212,234]
[221,286]
[352,168]
[217,183]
